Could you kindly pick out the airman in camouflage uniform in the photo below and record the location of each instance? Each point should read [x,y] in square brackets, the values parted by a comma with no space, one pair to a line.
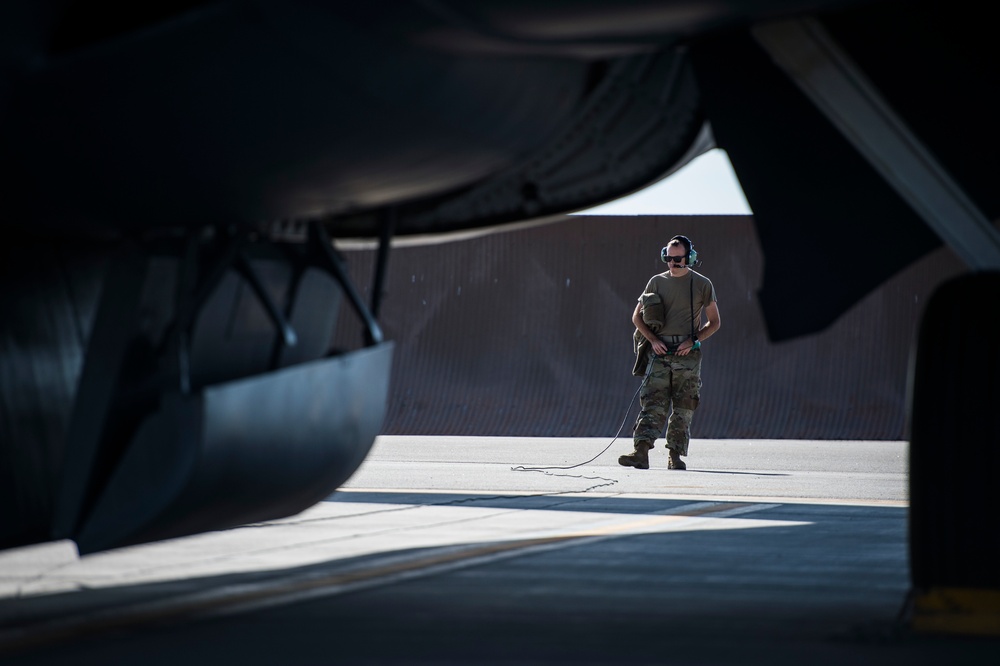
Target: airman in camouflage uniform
[669,332]
[674,381]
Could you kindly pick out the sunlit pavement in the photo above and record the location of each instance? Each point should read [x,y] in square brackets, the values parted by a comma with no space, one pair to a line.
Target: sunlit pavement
[460,550]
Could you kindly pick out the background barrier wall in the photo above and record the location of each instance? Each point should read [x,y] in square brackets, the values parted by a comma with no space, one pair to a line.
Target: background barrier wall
[529,333]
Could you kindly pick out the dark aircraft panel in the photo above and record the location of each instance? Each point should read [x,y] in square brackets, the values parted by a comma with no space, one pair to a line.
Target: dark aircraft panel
[250,112]
[210,140]
[156,390]
[954,543]
[244,451]
[936,64]
[794,165]
[48,296]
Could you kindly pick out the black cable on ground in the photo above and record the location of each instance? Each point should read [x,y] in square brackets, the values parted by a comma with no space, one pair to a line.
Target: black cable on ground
[543,470]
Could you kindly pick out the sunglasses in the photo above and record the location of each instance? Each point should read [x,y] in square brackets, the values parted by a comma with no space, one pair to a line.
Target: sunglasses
[678,259]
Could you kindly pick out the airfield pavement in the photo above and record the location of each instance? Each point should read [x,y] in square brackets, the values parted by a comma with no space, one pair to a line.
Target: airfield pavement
[458,550]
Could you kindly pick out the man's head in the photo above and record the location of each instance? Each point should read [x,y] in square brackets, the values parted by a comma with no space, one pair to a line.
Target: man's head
[678,252]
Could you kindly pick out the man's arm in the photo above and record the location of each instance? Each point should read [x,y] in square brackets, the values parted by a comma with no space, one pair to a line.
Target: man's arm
[658,347]
[712,324]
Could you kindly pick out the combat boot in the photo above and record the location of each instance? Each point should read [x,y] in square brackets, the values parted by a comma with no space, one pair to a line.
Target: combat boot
[675,461]
[638,458]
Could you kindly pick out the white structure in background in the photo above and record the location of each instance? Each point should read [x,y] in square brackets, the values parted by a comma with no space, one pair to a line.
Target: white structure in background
[705,186]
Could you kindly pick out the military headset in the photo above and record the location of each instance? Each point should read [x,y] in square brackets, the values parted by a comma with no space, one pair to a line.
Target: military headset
[692,255]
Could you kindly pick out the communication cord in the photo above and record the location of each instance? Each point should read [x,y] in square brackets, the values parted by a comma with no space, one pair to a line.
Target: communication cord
[544,469]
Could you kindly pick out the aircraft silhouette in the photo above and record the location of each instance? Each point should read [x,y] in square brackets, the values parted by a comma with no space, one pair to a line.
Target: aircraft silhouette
[173,173]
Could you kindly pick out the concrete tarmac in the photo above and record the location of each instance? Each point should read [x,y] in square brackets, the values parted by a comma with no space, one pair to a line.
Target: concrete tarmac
[445,551]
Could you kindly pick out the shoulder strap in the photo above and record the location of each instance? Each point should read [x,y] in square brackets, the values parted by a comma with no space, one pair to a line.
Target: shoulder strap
[692,306]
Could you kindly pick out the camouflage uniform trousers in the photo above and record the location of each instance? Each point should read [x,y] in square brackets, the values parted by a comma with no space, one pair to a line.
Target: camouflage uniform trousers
[673,381]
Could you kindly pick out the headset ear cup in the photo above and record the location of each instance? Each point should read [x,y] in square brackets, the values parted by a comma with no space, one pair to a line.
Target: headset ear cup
[692,257]
[664,254]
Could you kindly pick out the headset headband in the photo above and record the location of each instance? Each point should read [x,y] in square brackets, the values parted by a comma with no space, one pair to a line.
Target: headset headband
[692,255]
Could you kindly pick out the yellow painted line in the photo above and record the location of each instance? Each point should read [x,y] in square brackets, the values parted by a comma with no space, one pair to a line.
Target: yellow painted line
[244,598]
[688,497]
[468,557]
[719,508]
[675,516]
[955,610]
[206,603]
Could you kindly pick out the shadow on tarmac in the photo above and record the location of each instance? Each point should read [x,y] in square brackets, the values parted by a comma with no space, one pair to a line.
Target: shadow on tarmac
[795,583]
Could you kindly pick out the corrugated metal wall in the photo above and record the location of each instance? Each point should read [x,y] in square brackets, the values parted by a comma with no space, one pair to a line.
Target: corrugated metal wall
[529,333]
